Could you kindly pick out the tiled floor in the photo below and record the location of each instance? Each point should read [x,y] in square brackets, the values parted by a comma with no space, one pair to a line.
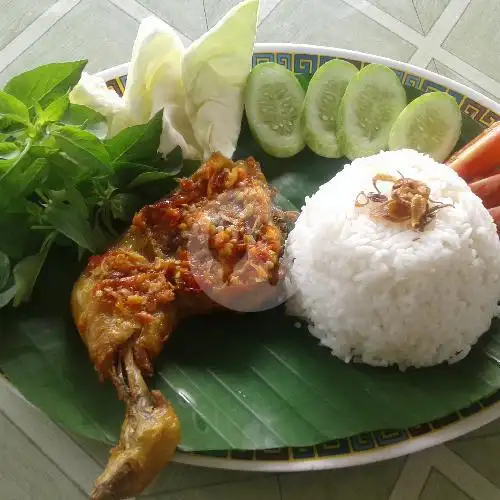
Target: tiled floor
[456,38]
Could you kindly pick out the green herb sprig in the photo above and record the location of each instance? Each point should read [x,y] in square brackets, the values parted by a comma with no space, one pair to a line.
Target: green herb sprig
[61,181]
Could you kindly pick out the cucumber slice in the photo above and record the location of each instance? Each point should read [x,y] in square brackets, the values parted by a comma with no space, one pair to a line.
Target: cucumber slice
[371,103]
[431,124]
[273,105]
[321,105]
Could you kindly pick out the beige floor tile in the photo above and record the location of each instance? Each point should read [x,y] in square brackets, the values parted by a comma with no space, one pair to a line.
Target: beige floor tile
[476,37]
[428,11]
[438,487]
[402,10]
[215,9]
[17,15]
[482,454]
[99,452]
[94,30]
[47,436]
[492,429]
[442,69]
[335,23]
[26,473]
[369,482]
[187,16]
[432,66]
[260,489]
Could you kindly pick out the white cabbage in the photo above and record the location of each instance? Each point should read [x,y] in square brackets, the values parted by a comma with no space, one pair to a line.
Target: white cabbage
[214,72]
[92,91]
[200,90]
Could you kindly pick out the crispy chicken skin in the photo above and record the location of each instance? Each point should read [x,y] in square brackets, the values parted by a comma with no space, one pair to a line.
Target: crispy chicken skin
[214,243]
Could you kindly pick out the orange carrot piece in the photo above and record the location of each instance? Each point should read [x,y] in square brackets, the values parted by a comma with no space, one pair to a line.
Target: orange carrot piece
[480,156]
[491,173]
[488,189]
[495,213]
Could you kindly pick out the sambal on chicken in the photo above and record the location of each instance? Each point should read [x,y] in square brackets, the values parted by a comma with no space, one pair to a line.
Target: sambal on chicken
[210,245]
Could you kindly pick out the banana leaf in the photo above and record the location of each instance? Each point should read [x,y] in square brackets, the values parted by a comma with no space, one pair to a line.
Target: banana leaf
[237,381]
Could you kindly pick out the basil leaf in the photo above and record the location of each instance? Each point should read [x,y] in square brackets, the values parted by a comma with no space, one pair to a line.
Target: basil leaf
[43,151]
[82,147]
[8,151]
[32,176]
[15,131]
[4,269]
[7,295]
[35,175]
[11,174]
[63,169]
[55,110]
[13,108]
[147,177]
[45,83]
[72,225]
[124,205]
[77,201]
[21,238]
[26,272]
[138,143]
[4,165]
[22,178]
[71,221]
[125,173]
[86,119]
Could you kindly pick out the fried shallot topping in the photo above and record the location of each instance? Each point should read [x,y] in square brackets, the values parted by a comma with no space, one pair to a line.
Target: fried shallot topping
[409,201]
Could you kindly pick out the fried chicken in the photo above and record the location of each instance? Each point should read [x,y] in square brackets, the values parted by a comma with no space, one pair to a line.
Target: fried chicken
[215,243]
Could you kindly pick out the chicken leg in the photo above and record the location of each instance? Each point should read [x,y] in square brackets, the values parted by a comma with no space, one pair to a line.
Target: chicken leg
[215,243]
[149,436]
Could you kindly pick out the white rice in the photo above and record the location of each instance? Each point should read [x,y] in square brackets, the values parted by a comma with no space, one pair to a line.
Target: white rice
[377,292]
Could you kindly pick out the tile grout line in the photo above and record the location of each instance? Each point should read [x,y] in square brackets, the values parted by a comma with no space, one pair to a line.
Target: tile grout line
[431,66]
[452,14]
[439,31]
[46,435]
[70,437]
[429,47]
[467,71]
[138,12]
[405,461]
[412,478]
[271,10]
[34,31]
[449,480]
[418,16]
[462,474]
[280,489]
[387,21]
[42,452]
[205,14]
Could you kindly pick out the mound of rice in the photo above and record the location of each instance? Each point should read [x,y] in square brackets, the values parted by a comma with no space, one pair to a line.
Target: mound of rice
[377,292]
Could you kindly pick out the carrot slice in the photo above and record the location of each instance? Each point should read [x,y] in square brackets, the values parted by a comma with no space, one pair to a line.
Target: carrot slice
[488,190]
[491,173]
[495,213]
[480,156]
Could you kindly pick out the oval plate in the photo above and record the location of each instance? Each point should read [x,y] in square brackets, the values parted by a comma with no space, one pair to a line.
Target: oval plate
[379,445]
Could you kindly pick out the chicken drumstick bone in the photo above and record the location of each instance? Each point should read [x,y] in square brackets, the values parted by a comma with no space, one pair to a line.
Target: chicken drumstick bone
[214,243]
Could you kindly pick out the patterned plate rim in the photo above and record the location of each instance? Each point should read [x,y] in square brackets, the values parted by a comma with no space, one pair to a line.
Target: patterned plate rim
[371,446]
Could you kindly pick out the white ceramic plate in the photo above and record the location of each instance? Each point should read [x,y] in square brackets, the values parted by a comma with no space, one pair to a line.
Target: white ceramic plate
[381,445]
